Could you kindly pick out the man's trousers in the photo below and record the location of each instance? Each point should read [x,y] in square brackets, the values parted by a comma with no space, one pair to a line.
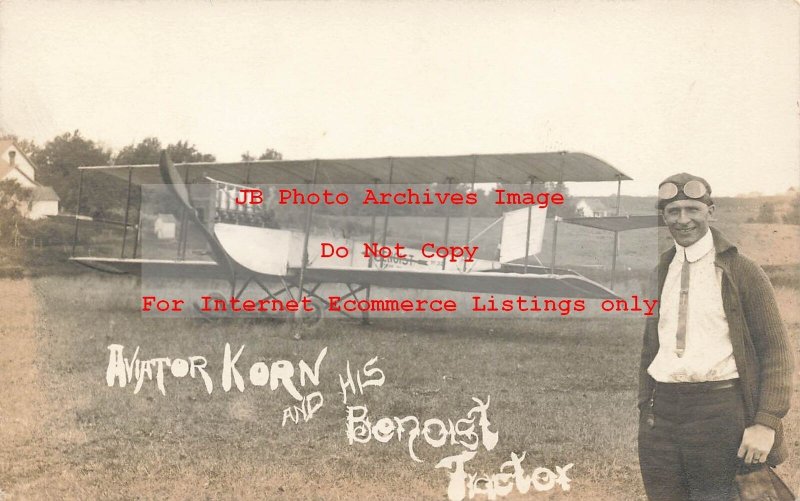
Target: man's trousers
[688,440]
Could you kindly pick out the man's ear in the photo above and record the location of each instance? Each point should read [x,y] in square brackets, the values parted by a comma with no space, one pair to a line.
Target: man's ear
[711,209]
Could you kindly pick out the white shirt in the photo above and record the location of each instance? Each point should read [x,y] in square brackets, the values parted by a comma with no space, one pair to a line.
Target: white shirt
[709,354]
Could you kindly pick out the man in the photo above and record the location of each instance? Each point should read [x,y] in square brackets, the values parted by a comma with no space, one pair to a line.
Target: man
[716,370]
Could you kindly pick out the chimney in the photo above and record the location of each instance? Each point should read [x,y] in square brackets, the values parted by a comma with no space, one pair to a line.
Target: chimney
[12,157]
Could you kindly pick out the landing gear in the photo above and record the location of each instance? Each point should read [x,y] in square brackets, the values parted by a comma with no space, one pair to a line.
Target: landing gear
[309,318]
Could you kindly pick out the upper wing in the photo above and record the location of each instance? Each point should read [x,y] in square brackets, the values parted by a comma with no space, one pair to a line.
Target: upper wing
[511,168]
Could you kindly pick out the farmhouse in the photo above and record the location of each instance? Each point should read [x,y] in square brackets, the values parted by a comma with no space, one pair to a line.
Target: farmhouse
[592,207]
[15,165]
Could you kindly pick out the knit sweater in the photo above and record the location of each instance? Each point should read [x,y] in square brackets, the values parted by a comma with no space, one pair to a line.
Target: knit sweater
[760,342]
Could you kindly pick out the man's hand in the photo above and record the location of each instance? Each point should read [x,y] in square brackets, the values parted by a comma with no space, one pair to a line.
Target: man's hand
[757,441]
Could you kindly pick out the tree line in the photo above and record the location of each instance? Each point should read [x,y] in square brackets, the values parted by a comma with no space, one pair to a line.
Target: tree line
[57,163]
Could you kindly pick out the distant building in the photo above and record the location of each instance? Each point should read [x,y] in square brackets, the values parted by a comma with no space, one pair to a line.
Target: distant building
[164,227]
[592,207]
[750,194]
[14,164]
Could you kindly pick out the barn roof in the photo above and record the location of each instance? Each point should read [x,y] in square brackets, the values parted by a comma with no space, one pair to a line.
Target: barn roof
[44,194]
[6,168]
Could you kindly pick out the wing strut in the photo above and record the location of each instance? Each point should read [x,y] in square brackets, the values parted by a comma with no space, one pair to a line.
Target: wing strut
[531,181]
[127,211]
[555,242]
[368,293]
[469,207]
[616,235]
[447,222]
[307,231]
[555,220]
[386,213]
[77,214]
[138,226]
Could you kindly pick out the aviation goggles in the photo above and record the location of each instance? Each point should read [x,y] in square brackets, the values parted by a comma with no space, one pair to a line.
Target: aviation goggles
[693,189]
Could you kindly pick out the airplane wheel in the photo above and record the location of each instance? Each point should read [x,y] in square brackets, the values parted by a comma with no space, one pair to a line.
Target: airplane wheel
[208,315]
[311,318]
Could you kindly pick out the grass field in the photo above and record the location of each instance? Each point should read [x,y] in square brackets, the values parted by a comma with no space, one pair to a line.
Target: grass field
[562,390]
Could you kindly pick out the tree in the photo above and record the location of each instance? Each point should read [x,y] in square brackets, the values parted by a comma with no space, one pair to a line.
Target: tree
[766,213]
[793,216]
[181,152]
[269,154]
[12,197]
[57,166]
[148,151]
[27,146]
[567,209]
[62,155]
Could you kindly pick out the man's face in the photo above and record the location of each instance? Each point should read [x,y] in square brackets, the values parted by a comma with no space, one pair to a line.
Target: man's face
[687,220]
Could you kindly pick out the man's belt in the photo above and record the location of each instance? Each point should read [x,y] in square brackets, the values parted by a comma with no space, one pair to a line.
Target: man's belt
[698,387]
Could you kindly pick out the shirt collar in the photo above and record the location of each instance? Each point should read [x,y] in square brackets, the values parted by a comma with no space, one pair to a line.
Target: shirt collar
[697,249]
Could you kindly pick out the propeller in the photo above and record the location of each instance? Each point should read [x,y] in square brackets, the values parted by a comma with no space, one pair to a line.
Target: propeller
[177,185]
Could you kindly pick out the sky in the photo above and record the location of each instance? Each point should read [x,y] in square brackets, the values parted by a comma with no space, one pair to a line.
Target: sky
[652,88]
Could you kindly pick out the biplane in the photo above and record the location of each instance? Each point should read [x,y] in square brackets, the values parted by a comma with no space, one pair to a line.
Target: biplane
[246,252]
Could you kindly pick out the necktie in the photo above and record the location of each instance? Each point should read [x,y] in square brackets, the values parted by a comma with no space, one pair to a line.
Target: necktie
[683,308]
